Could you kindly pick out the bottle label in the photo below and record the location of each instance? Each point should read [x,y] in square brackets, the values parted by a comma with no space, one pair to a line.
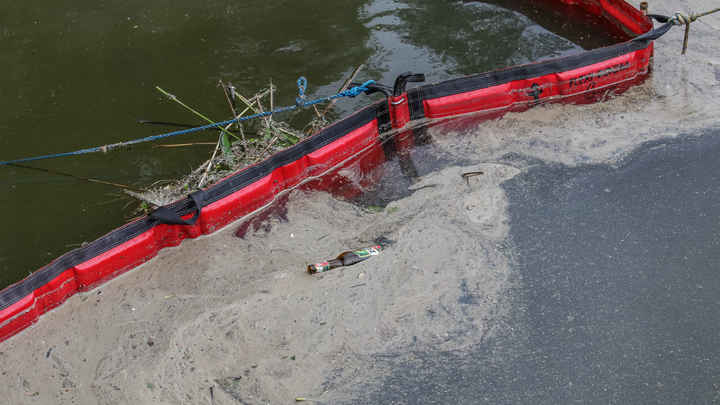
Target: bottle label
[321,267]
[365,253]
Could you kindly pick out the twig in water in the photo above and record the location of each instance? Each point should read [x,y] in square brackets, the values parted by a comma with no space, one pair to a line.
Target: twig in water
[180,145]
[249,103]
[192,110]
[231,102]
[212,158]
[317,112]
[143,198]
[269,145]
[72,176]
[272,98]
[321,120]
[268,120]
[159,182]
[175,124]
[210,162]
[343,88]
[281,129]
[256,99]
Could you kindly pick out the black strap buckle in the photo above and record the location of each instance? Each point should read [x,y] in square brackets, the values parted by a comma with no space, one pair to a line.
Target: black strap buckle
[165,215]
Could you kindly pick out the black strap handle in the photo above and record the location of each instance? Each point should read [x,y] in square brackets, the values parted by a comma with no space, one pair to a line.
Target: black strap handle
[402,80]
[659,18]
[165,215]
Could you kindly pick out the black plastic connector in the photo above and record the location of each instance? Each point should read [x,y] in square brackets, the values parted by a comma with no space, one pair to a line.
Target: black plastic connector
[405,78]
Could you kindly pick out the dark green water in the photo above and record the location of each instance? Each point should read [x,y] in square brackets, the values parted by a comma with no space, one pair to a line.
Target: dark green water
[82,75]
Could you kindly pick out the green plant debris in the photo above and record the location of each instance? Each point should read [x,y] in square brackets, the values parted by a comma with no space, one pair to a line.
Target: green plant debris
[257,140]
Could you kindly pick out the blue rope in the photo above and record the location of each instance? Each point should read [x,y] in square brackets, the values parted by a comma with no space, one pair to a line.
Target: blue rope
[302,85]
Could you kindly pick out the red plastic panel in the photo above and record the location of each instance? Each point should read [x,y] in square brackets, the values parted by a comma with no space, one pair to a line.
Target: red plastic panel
[125,256]
[355,175]
[55,292]
[623,14]
[627,16]
[26,311]
[556,87]
[399,111]
[17,317]
[262,192]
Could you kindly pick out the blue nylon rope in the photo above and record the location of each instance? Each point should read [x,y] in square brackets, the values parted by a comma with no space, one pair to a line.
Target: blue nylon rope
[302,84]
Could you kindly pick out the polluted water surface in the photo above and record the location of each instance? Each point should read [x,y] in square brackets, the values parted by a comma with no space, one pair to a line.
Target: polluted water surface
[229,320]
[276,40]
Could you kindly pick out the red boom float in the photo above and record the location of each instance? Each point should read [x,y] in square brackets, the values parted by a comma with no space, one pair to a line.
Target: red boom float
[353,143]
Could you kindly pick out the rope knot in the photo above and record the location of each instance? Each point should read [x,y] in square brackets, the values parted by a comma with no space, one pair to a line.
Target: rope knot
[681,18]
[357,90]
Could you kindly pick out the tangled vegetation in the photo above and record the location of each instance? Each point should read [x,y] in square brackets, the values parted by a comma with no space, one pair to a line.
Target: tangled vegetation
[239,144]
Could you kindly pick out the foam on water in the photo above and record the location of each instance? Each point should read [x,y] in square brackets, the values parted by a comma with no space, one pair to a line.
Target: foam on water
[242,317]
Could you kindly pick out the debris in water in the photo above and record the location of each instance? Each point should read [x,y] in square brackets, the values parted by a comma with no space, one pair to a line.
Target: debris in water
[345,259]
[382,240]
[233,387]
[240,144]
[467,175]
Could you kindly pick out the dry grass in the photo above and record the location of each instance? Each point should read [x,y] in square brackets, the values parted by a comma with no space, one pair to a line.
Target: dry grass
[239,144]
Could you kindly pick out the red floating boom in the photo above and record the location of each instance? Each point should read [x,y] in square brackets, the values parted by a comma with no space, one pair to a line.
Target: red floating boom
[354,143]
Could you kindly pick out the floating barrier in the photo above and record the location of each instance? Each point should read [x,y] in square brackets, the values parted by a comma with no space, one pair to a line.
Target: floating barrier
[355,143]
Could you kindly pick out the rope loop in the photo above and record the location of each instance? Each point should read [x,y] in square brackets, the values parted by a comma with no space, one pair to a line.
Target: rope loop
[302,86]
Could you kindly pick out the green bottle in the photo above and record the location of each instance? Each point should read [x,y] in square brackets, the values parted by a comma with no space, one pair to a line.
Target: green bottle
[344,259]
